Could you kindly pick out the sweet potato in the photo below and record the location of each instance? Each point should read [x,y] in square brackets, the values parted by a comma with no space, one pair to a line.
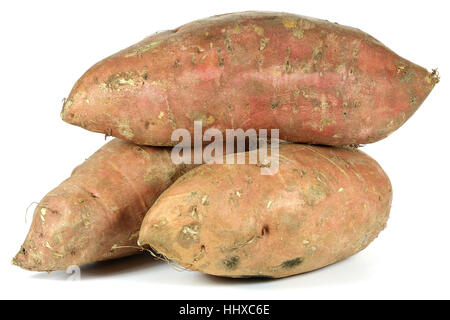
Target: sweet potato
[316,81]
[323,205]
[90,216]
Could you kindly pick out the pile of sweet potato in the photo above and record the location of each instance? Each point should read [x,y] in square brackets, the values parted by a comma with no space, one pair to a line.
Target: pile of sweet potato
[316,82]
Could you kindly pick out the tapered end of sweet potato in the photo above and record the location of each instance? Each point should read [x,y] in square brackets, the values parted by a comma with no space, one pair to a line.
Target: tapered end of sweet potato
[28,261]
[78,109]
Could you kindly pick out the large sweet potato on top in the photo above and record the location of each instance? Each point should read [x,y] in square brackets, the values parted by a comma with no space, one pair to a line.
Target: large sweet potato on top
[323,205]
[90,216]
[316,81]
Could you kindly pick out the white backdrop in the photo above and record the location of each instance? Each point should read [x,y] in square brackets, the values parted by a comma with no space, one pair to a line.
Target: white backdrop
[47,45]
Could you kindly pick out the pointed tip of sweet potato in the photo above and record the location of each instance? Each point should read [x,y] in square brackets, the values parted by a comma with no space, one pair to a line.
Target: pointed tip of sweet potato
[23,259]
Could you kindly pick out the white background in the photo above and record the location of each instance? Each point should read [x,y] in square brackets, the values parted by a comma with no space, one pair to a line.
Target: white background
[45,48]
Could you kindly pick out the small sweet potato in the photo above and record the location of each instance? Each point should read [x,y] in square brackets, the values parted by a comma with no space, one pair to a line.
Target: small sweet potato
[316,81]
[90,216]
[323,205]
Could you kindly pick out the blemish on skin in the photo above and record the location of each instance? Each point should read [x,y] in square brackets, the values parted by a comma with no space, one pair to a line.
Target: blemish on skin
[67,104]
[297,27]
[365,239]
[259,30]
[292,263]
[263,43]
[143,49]
[236,29]
[161,115]
[433,77]
[305,242]
[407,75]
[260,62]
[125,129]
[57,255]
[324,123]
[228,44]
[231,263]
[156,83]
[134,235]
[177,64]
[314,194]
[220,58]
[195,214]
[400,68]
[189,234]
[210,120]
[43,213]
[204,117]
[298,33]
[317,54]
[269,204]
[287,64]
[205,200]
[201,254]
[289,23]
[121,80]
[340,189]
[274,104]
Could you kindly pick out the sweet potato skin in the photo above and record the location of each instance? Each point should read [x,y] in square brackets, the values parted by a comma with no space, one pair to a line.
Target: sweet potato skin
[323,205]
[99,209]
[316,81]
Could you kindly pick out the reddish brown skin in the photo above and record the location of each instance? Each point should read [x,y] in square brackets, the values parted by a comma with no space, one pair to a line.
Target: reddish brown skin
[99,209]
[323,205]
[316,81]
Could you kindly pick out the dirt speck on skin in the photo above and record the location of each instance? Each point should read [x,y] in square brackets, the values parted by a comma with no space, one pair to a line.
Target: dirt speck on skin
[125,129]
[314,194]
[67,104]
[139,51]
[292,263]
[122,80]
[433,78]
[259,30]
[263,43]
[407,75]
[189,234]
[231,263]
